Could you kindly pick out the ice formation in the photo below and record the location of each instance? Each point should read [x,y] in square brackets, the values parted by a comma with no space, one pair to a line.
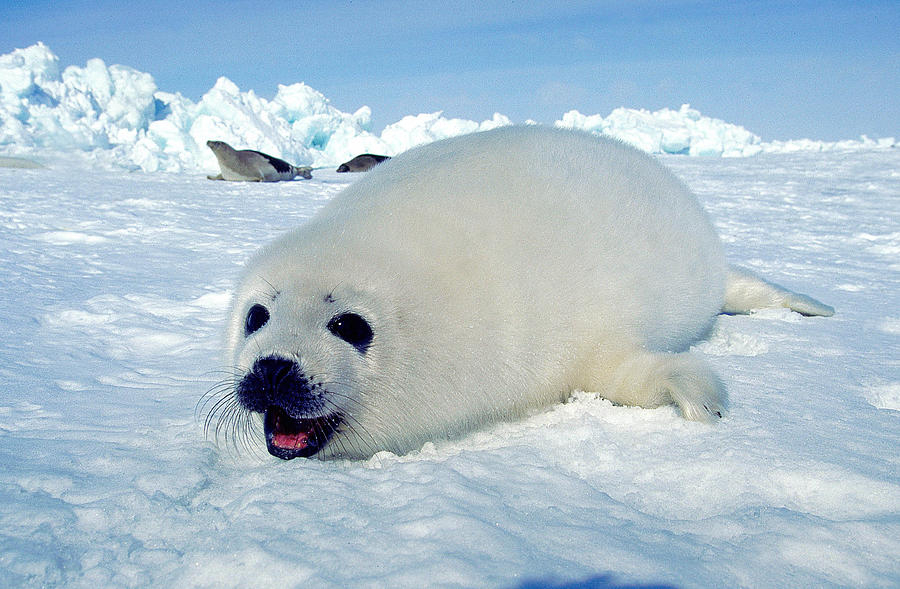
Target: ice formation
[116,116]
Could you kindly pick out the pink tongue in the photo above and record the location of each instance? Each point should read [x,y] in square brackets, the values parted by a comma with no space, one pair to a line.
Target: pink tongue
[293,441]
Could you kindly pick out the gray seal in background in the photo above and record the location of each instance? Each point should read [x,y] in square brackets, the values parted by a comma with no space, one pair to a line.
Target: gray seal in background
[248,165]
[362,163]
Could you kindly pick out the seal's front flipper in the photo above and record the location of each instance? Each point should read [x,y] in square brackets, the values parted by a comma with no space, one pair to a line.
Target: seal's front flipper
[745,291]
[649,379]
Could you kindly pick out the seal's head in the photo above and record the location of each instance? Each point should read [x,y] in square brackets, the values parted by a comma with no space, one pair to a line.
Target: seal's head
[301,413]
[216,145]
[298,369]
[307,344]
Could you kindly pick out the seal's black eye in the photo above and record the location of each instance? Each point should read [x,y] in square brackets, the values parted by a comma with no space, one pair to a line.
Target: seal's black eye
[257,316]
[353,329]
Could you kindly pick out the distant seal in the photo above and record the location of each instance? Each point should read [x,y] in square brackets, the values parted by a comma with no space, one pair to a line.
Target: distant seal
[362,163]
[248,165]
[19,162]
[477,279]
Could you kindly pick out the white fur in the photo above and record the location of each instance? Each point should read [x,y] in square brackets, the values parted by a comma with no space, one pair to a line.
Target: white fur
[500,271]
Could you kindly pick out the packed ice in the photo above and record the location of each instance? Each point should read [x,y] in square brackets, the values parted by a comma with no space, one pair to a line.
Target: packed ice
[115,116]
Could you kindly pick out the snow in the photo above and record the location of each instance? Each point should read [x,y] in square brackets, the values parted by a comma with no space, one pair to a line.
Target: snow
[115,290]
[113,305]
[116,117]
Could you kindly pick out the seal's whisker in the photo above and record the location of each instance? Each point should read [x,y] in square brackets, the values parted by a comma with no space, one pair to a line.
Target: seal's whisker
[218,404]
[211,397]
[354,426]
[274,292]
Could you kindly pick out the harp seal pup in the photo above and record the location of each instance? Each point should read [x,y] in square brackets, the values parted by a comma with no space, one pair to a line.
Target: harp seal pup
[362,163]
[476,279]
[247,165]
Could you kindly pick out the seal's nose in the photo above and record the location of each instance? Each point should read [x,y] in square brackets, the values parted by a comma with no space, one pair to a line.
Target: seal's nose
[270,379]
[272,371]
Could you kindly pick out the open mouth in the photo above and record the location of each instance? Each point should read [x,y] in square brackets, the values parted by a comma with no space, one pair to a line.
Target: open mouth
[288,438]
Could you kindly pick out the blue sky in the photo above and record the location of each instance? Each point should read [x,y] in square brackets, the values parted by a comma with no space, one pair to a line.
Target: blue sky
[817,69]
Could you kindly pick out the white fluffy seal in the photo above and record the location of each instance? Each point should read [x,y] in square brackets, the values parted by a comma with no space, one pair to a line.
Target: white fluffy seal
[478,279]
[248,165]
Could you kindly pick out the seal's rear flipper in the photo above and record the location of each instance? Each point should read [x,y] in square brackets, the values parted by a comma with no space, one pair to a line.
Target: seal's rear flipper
[745,291]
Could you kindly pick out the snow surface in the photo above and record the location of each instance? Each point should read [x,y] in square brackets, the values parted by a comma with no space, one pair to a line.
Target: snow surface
[115,116]
[113,302]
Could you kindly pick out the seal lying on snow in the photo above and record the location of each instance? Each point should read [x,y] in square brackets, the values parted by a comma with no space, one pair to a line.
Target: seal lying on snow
[19,162]
[247,165]
[477,279]
[362,163]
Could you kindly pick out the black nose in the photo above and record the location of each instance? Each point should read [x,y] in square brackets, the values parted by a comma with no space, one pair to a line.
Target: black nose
[273,370]
[270,379]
